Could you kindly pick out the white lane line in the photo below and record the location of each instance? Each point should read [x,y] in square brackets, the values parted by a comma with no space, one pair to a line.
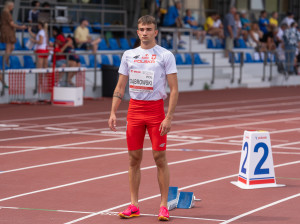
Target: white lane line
[61,162]
[158,195]
[61,129]
[261,208]
[32,136]
[63,145]
[46,210]
[286,144]
[9,125]
[111,175]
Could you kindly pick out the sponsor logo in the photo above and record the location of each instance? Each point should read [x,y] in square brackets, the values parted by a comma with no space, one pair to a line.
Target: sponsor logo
[140,82]
[145,59]
[162,145]
[136,57]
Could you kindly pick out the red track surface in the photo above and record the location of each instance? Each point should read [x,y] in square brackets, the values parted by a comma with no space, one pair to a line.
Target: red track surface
[62,165]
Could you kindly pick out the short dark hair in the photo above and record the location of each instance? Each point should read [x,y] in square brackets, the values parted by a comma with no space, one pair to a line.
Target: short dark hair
[33,4]
[147,19]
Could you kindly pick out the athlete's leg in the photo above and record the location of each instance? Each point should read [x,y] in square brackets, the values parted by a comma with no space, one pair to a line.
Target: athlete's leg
[135,159]
[163,175]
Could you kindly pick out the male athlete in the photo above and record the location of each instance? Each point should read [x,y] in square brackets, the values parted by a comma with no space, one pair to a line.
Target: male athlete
[148,68]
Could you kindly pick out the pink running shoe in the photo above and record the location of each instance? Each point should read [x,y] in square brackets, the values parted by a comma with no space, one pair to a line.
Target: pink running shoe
[131,211]
[163,214]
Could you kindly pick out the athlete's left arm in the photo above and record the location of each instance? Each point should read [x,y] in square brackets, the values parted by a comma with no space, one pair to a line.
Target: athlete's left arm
[165,126]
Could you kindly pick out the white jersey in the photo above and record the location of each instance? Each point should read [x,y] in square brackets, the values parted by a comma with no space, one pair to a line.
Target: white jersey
[148,70]
[42,46]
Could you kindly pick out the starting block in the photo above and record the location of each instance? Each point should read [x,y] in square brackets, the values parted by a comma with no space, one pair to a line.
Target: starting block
[183,200]
[256,164]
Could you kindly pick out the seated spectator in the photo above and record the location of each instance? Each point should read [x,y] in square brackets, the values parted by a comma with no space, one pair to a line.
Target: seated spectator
[263,21]
[289,19]
[280,58]
[59,47]
[255,34]
[218,22]
[238,25]
[34,15]
[73,59]
[210,29]
[190,22]
[273,20]
[268,39]
[172,19]
[83,39]
[245,25]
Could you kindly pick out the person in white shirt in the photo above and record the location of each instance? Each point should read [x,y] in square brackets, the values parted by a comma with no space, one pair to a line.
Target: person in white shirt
[289,19]
[148,68]
[40,40]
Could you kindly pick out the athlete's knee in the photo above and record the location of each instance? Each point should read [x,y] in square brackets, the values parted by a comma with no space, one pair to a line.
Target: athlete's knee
[160,159]
[135,158]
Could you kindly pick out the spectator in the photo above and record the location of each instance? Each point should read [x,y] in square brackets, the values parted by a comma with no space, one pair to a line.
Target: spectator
[255,34]
[172,19]
[83,39]
[289,19]
[45,13]
[190,22]
[7,30]
[40,40]
[280,58]
[263,22]
[291,37]
[245,25]
[73,59]
[59,47]
[273,20]
[238,25]
[218,22]
[211,28]
[34,15]
[230,31]
[268,39]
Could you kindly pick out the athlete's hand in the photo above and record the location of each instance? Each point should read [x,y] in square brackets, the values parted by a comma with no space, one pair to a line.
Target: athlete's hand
[112,122]
[165,126]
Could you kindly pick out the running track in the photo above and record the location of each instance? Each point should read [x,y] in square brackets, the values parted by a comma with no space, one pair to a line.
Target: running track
[63,165]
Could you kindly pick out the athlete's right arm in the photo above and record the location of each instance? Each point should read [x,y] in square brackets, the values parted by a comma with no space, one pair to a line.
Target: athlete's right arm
[117,97]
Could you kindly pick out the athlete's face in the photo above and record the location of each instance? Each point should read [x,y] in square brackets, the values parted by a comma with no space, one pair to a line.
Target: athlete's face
[147,32]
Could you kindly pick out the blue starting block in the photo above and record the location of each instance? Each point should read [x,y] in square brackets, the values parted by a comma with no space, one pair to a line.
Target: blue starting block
[186,200]
[173,197]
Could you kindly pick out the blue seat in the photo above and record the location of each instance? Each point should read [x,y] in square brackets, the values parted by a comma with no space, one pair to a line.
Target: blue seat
[179,60]
[28,61]
[15,62]
[25,40]
[209,43]
[132,41]
[18,46]
[188,59]
[240,43]
[248,58]
[219,44]
[198,60]
[113,44]
[102,45]
[116,60]
[124,44]
[97,27]
[90,29]
[165,44]
[82,61]
[92,61]
[2,46]
[66,29]
[105,60]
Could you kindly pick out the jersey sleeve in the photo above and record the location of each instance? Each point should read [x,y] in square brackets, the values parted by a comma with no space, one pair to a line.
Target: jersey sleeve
[170,63]
[123,69]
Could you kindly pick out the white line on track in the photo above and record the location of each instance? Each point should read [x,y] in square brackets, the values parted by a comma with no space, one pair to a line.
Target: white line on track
[158,195]
[69,144]
[261,208]
[32,136]
[290,143]
[112,175]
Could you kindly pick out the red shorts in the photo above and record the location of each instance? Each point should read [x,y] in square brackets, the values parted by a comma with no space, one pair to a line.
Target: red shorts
[144,115]
[42,51]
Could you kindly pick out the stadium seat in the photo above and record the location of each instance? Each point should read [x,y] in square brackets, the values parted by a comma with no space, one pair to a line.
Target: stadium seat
[90,29]
[165,44]
[2,46]
[97,27]
[188,59]
[25,40]
[92,61]
[15,62]
[82,61]
[132,41]
[116,60]
[113,44]
[105,60]
[124,44]
[179,60]
[219,44]
[18,46]
[102,45]
[66,29]
[240,43]
[198,60]
[209,43]
[248,58]
[28,62]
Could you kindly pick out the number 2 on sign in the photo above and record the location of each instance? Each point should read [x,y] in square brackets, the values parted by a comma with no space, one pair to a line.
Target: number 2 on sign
[258,170]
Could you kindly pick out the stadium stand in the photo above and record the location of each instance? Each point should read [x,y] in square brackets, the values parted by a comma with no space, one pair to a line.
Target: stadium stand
[124,44]
[15,62]
[116,60]
[102,45]
[28,61]
[92,61]
[105,59]
[113,44]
